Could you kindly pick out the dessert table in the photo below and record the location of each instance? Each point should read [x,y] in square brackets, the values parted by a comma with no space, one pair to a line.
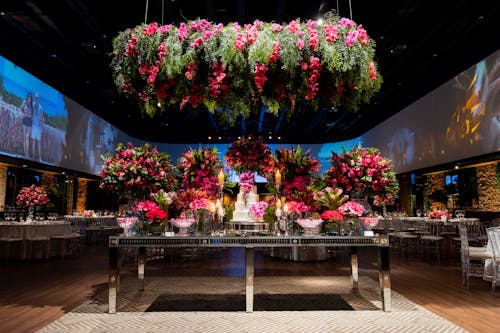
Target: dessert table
[249,243]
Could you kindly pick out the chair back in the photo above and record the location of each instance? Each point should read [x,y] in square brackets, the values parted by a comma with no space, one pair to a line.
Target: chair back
[464,239]
[494,240]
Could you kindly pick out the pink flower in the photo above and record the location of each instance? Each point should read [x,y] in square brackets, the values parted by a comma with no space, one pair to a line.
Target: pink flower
[297,207]
[300,43]
[182,33]
[247,180]
[260,76]
[351,38]
[332,215]
[258,209]
[145,205]
[331,33]
[150,29]
[156,214]
[352,208]
[240,41]
[276,52]
[200,204]
[362,35]
[293,26]
[346,22]
[276,27]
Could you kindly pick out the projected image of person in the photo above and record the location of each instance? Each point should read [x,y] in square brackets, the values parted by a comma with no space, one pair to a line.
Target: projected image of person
[27,110]
[402,147]
[36,129]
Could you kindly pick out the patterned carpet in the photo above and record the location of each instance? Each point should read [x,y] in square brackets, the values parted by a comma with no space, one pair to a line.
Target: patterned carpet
[366,315]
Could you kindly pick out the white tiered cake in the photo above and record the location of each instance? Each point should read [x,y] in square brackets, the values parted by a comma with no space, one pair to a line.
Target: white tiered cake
[241,208]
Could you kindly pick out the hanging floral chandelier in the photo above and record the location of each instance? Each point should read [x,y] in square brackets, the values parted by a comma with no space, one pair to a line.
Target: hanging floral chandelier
[235,68]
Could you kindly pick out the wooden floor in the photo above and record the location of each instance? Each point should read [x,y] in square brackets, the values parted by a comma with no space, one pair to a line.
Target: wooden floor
[34,294]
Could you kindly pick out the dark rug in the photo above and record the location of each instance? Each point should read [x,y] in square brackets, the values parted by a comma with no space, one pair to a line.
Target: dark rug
[262,302]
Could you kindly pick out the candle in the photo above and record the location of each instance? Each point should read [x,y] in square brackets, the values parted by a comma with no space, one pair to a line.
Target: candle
[278,203]
[278,212]
[285,208]
[221,177]
[212,207]
[277,178]
[218,204]
[220,211]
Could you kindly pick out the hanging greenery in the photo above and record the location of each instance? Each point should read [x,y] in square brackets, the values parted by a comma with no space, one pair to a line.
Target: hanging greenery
[236,68]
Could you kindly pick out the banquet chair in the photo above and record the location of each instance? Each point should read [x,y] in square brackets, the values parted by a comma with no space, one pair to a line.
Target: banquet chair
[36,245]
[494,247]
[67,244]
[11,243]
[404,237]
[430,240]
[472,257]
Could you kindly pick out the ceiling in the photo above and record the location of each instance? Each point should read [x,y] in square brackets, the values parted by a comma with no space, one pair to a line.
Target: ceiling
[419,46]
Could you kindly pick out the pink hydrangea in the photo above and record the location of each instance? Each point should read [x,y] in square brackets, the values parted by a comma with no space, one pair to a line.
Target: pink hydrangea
[200,204]
[297,207]
[352,208]
[258,209]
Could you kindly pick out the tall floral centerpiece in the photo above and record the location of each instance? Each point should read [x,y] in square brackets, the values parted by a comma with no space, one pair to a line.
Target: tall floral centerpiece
[248,156]
[298,171]
[235,68]
[135,172]
[30,197]
[365,171]
[199,168]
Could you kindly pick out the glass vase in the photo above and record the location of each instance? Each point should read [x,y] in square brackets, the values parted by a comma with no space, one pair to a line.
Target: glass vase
[30,217]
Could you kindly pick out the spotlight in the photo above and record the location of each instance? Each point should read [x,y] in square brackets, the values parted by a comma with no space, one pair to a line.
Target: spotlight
[209,138]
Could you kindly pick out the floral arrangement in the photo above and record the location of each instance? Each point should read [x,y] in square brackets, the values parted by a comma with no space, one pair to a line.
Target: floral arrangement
[236,68]
[298,172]
[351,208]
[365,171]
[164,199]
[258,209]
[247,181]
[32,196]
[198,169]
[200,204]
[88,213]
[330,198]
[296,207]
[151,210]
[186,197]
[436,214]
[249,154]
[156,215]
[134,172]
[332,215]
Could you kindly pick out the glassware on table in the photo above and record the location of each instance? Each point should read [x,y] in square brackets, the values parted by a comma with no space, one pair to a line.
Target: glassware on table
[39,216]
[183,224]
[128,224]
[419,212]
[310,226]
